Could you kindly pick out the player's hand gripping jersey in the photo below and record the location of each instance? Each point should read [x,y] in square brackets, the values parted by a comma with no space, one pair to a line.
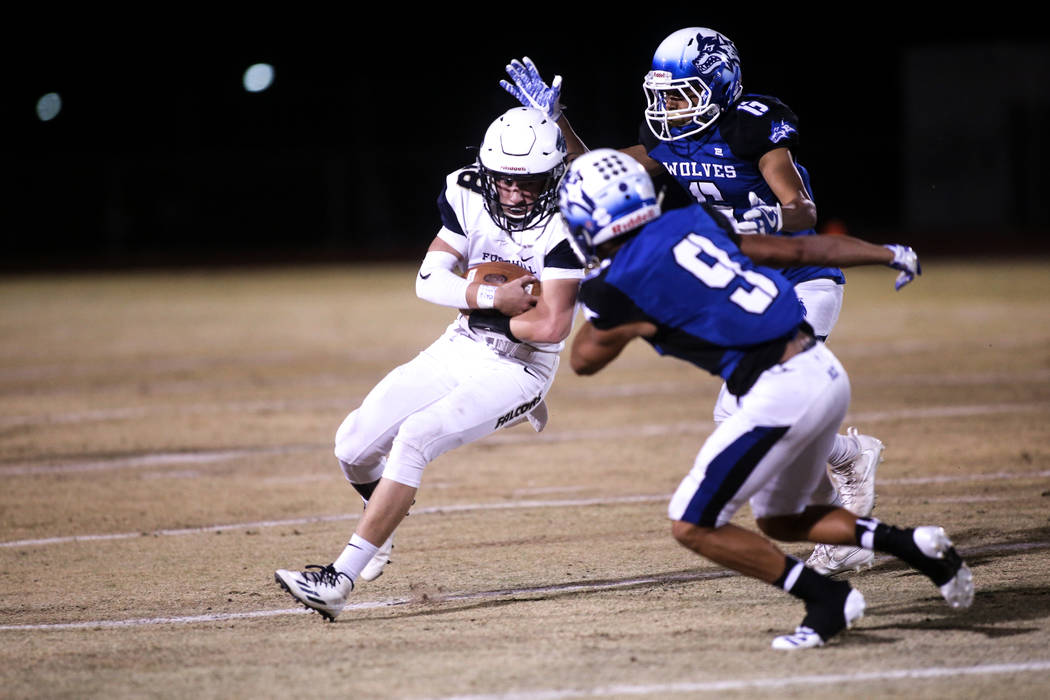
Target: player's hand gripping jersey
[468,228]
[711,304]
[719,165]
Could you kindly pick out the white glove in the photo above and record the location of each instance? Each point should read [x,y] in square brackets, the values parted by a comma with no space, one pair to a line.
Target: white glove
[530,90]
[760,218]
[907,261]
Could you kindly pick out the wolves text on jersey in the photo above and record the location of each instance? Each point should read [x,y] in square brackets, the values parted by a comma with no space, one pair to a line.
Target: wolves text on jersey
[519,411]
[694,169]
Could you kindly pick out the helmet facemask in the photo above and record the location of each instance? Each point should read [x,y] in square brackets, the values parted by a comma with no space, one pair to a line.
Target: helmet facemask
[541,188]
[673,124]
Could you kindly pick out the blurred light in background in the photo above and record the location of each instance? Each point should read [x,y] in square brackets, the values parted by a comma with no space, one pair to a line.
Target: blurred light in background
[258,77]
[48,106]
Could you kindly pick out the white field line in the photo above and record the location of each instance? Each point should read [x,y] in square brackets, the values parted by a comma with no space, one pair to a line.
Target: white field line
[590,392]
[455,508]
[459,597]
[773,683]
[699,427]
[506,505]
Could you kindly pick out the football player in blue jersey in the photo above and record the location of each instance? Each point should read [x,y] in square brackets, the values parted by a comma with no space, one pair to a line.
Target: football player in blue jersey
[734,151]
[692,287]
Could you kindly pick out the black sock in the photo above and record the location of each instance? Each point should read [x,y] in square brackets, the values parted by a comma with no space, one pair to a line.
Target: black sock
[876,535]
[825,599]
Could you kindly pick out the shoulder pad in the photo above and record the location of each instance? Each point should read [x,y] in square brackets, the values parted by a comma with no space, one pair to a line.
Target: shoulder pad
[469,179]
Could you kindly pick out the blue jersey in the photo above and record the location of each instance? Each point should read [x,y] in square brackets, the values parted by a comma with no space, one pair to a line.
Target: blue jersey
[711,304]
[719,165]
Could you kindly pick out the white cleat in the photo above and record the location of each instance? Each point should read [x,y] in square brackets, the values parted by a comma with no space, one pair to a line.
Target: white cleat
[956,583]
[806,637]
[324,590]
[374,568]
[855,481]
[829,559]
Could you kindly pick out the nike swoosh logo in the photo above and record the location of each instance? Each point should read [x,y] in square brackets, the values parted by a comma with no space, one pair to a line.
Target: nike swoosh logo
[426,276]
[530,372]
[528,258]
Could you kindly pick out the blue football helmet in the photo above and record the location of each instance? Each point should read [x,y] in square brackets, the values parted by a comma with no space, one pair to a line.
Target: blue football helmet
[605,194]
[698,69]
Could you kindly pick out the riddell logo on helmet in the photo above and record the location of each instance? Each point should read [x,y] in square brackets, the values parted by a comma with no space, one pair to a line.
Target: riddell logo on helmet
[513,169]
[634,220]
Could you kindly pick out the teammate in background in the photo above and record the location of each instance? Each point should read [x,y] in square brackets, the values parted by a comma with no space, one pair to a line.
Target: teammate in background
[733,150]
[688,284]
[492,366]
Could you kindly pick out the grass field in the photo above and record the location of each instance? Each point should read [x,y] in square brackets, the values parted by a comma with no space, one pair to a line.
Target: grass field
[165,444]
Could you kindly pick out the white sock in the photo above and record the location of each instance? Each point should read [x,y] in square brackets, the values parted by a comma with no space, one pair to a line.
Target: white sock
[845,450]
[357,553]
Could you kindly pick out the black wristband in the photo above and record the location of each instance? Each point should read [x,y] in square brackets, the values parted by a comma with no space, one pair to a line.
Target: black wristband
[491,321]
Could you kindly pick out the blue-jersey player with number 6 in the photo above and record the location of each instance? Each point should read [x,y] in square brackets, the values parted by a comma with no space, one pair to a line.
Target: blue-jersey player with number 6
[735,151]
[692,287]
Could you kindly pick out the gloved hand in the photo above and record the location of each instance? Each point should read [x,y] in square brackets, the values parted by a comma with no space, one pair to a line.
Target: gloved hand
[907,261]
[760,218]
[530,90]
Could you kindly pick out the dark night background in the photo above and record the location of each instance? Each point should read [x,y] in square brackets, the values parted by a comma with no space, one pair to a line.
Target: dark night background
[927,133]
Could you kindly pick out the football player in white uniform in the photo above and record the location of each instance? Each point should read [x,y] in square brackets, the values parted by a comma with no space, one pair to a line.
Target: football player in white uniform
[493,365]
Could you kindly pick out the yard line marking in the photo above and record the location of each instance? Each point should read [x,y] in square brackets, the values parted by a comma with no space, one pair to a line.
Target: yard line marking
[661,689]
[309,520]
[154,459]
[950,478]
[698,427]
[469,507]
[468,596]
[394,602]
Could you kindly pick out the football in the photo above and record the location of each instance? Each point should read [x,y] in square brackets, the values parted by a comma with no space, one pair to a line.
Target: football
[497,273]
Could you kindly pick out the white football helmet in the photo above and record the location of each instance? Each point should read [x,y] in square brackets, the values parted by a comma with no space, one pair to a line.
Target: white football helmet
[606,194]
[522,145]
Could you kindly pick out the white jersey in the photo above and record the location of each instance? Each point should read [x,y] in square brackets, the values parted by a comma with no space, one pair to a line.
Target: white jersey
[466,226]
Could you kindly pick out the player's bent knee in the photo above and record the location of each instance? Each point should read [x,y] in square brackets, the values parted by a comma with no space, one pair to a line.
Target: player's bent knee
[689,535]
[420,432]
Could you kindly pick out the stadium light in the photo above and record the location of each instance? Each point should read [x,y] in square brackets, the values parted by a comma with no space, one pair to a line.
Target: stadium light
[258,77]
[48,106]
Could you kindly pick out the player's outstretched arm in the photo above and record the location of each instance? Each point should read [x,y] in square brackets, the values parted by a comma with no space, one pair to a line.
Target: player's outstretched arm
[831,251]
[593,349]
[529,88]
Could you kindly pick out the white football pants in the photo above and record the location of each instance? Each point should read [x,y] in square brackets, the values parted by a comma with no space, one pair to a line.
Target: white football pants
[772,450]
[454,392]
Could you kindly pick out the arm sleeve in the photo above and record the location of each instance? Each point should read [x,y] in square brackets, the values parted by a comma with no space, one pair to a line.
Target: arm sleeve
[438,283]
